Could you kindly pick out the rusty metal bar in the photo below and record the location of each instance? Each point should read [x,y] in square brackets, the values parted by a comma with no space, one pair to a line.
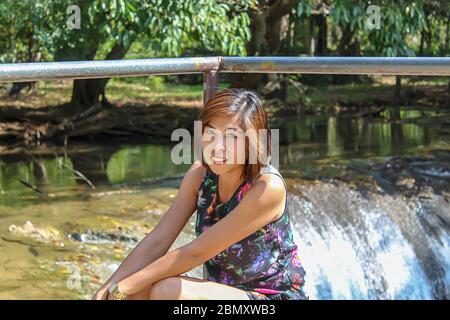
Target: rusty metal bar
[210,85]
[424,66]
[430,66]
[17,72]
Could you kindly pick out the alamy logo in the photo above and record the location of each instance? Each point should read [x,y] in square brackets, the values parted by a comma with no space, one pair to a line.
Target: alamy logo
[374,19]
[74,18]
[74,280]
[231,147]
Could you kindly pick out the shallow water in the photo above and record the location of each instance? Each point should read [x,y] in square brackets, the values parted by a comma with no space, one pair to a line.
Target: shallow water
[369,201]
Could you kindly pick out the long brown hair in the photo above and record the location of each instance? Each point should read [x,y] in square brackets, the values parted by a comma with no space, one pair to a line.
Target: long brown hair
[246,104]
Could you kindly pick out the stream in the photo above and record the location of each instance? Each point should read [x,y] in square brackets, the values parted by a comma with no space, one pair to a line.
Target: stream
[369,201]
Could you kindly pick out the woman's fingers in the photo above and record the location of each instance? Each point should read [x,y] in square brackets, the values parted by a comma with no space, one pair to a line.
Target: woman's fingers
[101,294]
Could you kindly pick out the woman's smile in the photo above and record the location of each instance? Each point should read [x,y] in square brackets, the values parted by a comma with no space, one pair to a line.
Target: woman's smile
[218,160]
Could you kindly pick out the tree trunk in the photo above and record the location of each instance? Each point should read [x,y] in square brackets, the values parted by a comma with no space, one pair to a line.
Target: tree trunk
[344,46]
[265,41]
[348,46]
[322,35]
[447,36]
[311,43]
[33,56]
[17,88]
[255,47]
[398,89]
[88,92]
[422,42]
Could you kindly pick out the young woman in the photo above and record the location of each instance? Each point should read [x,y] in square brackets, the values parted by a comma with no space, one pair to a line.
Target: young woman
[243,228]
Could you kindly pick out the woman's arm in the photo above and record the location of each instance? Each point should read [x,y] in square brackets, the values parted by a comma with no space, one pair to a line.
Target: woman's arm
[262,203]
[161,238]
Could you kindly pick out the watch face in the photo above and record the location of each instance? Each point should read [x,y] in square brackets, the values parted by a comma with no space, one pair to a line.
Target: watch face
[112,287]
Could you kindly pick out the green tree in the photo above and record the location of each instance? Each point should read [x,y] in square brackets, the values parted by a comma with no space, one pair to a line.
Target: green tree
[167,27]
[23,36]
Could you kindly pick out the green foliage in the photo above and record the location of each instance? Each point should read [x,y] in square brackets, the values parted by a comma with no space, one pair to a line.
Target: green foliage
[23,32]
[436,31]
[165,28]
[398,20]
[402,25]
[36,29]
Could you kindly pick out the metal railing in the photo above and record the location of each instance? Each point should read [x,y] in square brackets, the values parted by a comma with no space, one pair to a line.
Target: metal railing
[212,66]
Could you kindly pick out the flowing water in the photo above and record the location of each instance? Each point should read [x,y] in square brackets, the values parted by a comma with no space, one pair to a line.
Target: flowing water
[370,208]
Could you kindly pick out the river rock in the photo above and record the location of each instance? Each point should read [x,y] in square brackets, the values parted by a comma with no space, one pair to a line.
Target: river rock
[38,234]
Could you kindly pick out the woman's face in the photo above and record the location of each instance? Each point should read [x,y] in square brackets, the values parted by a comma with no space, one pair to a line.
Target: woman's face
[223,144]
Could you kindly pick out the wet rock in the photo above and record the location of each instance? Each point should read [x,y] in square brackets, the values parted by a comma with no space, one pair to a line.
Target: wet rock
[95,236]
[38,234]
[406,182]
[433,169]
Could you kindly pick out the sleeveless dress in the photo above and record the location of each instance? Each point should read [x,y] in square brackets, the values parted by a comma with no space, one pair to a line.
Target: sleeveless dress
[265,264]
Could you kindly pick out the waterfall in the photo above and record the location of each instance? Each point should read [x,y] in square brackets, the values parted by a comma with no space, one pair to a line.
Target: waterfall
[360,244]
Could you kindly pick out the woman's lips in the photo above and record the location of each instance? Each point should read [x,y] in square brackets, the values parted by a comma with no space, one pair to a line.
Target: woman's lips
[218,160]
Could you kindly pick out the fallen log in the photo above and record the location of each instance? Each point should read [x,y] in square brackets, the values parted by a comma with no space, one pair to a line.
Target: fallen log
[32,128]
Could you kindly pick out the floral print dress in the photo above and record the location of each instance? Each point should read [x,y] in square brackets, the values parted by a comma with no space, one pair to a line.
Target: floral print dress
[266,263]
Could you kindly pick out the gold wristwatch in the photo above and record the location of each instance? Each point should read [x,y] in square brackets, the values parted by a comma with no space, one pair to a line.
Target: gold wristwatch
[115,292]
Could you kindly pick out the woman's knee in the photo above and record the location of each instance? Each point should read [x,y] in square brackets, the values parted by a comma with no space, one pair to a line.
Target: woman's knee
[166,289]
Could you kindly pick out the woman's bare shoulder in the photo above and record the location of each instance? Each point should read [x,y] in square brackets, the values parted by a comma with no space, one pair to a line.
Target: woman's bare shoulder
[194,177]
[272,185]
[272,192]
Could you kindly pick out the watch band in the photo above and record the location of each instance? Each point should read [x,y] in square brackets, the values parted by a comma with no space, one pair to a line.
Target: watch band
[115,292]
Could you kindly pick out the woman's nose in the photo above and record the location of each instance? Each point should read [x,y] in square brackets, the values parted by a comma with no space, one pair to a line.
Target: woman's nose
[219,146]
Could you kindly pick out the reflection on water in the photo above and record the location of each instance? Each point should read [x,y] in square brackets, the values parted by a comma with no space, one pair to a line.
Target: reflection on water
[318,137]
[128,164]
[358,245]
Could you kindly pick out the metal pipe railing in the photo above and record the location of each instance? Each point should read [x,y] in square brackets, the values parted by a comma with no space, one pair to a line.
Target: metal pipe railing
[425,66]
[17,72]
[212,66]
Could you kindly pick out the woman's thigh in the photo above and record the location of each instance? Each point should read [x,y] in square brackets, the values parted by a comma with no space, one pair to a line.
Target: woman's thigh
[142,295]
[188,288]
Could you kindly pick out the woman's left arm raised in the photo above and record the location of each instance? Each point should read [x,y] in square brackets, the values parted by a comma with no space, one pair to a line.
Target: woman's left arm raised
[262,203]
